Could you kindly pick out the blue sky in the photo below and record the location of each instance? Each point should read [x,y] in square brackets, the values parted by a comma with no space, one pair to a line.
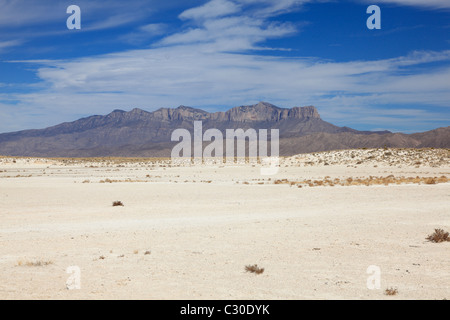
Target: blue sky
[219,54]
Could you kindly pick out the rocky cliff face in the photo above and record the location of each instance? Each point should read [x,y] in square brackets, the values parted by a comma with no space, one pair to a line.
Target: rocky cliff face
[262,111]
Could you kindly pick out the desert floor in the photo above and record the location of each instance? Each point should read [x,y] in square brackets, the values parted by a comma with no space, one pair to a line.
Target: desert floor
[187,232]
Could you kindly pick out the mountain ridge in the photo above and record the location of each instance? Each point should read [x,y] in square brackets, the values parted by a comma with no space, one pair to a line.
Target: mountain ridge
[143,133]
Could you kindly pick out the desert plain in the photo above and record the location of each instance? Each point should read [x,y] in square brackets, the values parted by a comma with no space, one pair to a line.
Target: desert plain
[317,227]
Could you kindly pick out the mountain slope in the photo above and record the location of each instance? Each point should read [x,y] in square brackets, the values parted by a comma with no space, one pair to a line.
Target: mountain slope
[142,133]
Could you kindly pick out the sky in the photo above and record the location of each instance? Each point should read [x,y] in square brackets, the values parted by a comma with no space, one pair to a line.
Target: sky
[219,54]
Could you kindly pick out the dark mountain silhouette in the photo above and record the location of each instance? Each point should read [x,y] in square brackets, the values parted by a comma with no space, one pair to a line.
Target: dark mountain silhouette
[148,134]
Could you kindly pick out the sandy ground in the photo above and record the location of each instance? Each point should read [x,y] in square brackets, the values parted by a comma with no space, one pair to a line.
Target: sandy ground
[188,232]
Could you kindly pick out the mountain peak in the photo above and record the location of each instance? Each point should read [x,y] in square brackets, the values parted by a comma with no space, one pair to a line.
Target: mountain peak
[263,104]
[137,111]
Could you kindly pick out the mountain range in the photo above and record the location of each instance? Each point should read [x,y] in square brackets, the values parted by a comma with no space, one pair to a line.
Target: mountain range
[139,133]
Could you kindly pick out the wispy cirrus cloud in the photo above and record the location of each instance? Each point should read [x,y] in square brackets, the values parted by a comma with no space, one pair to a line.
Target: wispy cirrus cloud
[431,4]
[42,24]
[231,33]
[193,75]
[96,15]
[145,33]
[269,8]
[4,45]
[210,10]
[211,63]
[225,24]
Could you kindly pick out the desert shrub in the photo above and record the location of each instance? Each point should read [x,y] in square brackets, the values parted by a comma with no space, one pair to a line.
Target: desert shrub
[391,292]
[254,269]
[438,236]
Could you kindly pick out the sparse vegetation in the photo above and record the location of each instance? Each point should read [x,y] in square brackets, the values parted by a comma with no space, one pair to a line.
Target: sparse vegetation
[439,236]
[118,204]
[365,181]
[381,157]
[38,263]
[391,292]
[126,180]
[254,269]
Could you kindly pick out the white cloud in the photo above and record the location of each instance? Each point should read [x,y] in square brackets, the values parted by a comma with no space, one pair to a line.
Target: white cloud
[232,33]
[210,10]
[145,33]
[209,66]
[95,14]
[224,24]
[10,43]
[432,4]
[269,8]
[154,28]
[193,75]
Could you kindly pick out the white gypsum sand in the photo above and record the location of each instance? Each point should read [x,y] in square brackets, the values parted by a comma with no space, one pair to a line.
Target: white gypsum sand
[188,232]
